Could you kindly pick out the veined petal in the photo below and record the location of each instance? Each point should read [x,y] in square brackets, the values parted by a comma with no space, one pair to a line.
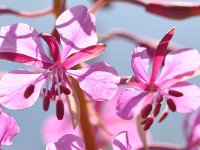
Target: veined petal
[14,85]
[99,81]
[179,64]
[191,97]
[121,142]
[20,43]
[130,102]
[8,128]
[76,27]
[140,64]
[84,55]
[67,142]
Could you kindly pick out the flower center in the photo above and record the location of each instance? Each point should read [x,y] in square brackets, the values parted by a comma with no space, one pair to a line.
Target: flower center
[56,86]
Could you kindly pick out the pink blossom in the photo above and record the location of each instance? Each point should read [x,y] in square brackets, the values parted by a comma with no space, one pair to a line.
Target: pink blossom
[145,94]
[22,44]
[8,128]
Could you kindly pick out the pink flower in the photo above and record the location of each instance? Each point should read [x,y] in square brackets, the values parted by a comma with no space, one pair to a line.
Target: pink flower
[145,94]
[8,128]
[22,44]
[67,142]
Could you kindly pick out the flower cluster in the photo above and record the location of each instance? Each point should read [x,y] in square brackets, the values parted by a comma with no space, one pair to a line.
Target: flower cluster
[109,111]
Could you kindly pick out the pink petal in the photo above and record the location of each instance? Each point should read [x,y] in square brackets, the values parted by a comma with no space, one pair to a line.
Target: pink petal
[179,64]
[84,55]
[115,124]
[129,103]
[20,43]
[67,142]
[191,97]
[121,142]
[77,29]
[8,128]
[140,64]
[160,54]
[13,86]
[99,81]
[53,128]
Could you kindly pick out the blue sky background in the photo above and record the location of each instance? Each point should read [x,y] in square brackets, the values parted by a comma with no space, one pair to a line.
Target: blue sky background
[124,16]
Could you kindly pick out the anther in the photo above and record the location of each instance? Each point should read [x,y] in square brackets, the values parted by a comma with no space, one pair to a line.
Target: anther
[46,102]
[59,109]
[163,116]
[156,109]
[171,105]
[65,90]
[29,91]
[148,123]
[146,111]
[175,93]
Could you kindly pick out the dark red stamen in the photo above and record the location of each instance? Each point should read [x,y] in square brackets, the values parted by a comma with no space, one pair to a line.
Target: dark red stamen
[146,111]
[163,116]
[59,109]
[29,91]
[46,103]
[65,90]
[171,105]
[175,93]
[157,109]
[148,123]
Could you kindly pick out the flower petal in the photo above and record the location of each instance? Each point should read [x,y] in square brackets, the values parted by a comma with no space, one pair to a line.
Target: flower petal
[14,85]
[67,142]
[20,43]
[160,54]
[140,64]
[179,64]
[99,81]
[8,128]
[121,142]
[191,97]
[76,27]
[84,55]
[129,103]
[53,128]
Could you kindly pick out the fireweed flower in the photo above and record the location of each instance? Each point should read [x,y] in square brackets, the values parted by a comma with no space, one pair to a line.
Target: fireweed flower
[145,94]
[22,44]
[8,128]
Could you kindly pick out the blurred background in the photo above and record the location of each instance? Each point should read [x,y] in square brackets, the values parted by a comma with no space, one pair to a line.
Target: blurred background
[125,16]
